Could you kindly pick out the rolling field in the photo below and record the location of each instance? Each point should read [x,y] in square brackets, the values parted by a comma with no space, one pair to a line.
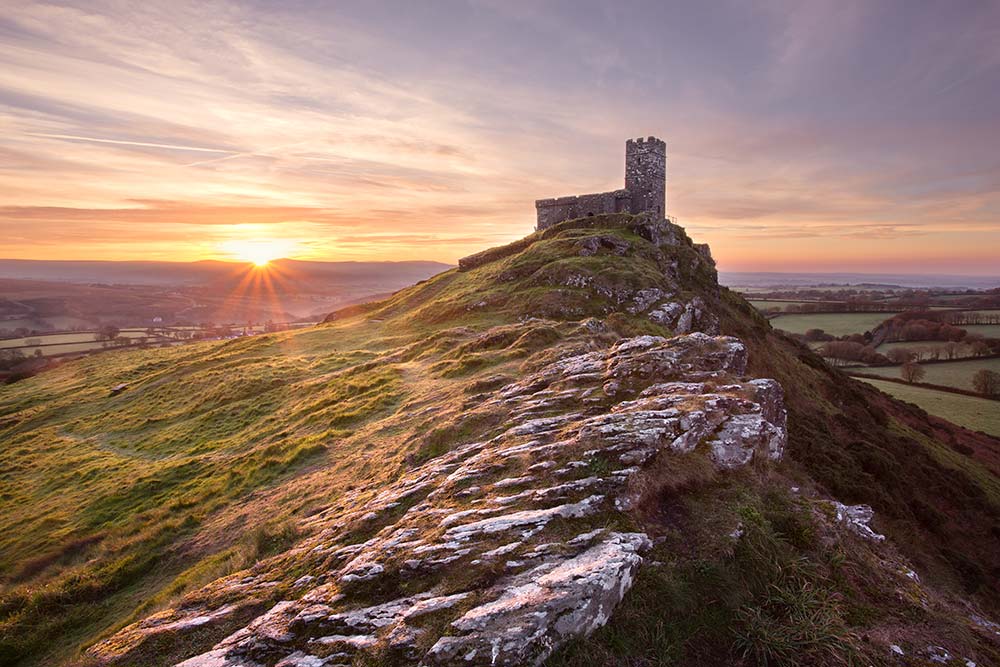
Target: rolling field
[924,348]
[763,304]
[67,343]
[913,345]
[956,374]
[986,330]
[83,341]
[837,324]
[979,414]
[58,321]
[61,338]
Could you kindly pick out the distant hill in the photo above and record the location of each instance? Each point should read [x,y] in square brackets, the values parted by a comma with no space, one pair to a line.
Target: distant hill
[907,280]
[577,450]
[209,271]
[42,295]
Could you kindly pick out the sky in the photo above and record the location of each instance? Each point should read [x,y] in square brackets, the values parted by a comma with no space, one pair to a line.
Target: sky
[801,136]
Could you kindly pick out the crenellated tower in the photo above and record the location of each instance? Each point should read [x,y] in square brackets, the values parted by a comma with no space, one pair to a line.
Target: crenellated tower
[646,174]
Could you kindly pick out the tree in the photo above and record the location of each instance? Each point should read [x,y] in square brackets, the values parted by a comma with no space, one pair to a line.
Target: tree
[107,332]
[817,335]
[912,372]
[986,382]
[900,355]
[980,348]
[10,358]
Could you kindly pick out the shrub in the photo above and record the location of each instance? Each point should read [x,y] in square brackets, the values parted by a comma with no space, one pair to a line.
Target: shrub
[912,372]
[986,382]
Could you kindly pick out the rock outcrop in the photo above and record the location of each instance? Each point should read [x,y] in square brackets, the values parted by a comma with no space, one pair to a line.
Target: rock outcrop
[502,543]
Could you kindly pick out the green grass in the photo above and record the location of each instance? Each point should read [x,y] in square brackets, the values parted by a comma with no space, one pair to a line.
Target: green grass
[978,414]
[956,374]
[764,304]
[715,599]
[921,344]
[66,343]
[985,330]
[61,338]
[56,321]
[836,324]
[100,492]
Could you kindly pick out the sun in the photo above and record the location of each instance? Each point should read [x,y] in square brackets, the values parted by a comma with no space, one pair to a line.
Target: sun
[259,252]
[260,261]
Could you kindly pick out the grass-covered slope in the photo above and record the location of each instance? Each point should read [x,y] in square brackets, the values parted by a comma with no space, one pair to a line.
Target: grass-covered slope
[220,455]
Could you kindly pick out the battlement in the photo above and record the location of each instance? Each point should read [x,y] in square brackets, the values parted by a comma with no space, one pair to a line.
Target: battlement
[648,141]
[645,188]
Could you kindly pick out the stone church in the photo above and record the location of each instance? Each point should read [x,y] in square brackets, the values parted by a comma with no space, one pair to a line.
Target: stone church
[645,188]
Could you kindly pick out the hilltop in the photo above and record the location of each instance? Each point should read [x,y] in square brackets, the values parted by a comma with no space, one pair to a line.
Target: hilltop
[575,449]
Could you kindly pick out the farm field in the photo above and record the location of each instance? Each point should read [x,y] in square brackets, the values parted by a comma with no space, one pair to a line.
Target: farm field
[913,344]
[978,414]
[70,348]
[83,341]
[58,339]
[57,321]
[924,347]
[987,330]
[766,303]
[956,374]
[837,324]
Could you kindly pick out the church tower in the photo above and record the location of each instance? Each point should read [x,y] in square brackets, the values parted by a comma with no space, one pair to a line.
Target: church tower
[646,175]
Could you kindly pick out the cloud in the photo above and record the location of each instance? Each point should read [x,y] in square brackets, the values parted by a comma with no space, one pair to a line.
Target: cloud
[120,142]
[365,128]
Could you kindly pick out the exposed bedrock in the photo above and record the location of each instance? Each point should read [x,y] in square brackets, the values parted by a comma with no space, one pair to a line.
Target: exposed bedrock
[498,551]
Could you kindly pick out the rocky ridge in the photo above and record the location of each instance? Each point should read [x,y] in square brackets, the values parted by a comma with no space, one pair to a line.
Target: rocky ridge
[583,430]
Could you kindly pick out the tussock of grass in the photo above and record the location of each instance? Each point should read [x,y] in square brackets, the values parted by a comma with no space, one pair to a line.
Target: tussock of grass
[754,598]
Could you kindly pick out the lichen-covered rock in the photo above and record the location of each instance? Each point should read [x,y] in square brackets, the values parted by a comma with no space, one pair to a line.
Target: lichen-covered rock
[857,518]
[685,318]
[609,243]
[544,607]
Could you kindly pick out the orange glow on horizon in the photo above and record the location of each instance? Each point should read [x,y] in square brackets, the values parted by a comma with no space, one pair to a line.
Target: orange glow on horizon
[259,252]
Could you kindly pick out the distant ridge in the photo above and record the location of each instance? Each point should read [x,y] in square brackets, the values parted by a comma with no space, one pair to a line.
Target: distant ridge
[204,271]
[776,278]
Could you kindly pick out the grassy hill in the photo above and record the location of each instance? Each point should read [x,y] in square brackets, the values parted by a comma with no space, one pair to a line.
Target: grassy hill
[223,459]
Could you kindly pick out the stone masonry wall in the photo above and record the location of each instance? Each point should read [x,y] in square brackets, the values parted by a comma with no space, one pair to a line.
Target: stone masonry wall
[552,211]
